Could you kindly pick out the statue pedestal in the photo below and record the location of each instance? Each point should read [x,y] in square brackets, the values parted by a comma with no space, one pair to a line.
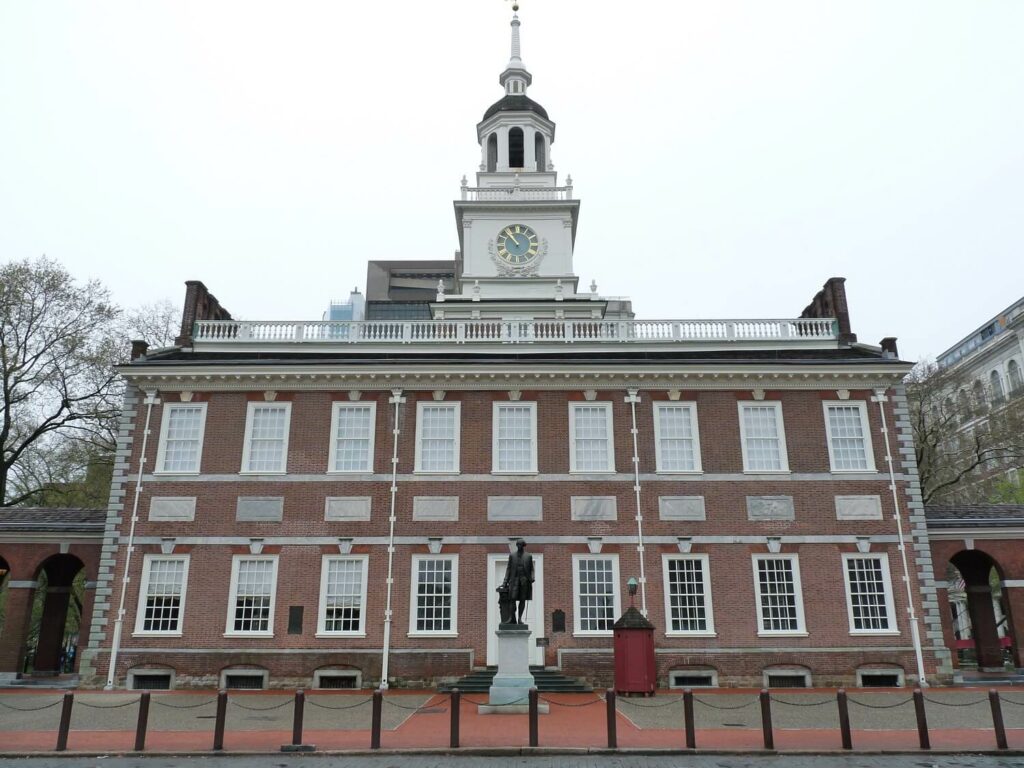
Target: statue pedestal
[511,686]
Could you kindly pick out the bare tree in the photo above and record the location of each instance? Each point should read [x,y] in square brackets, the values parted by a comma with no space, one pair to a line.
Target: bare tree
[965,436]
[157,323]
[58,387]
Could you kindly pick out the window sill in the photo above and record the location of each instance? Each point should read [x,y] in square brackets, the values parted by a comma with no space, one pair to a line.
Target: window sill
[249,634]
[598,633]
[156,634]
[340,634]
[432,634]
[874,632]
[691,634]
[866,471]
[783,634]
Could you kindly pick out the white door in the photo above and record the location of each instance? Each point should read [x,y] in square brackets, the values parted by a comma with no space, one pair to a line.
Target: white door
[534,609]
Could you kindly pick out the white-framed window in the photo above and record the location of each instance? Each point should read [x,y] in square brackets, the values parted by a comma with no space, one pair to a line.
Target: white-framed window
[687,595]
[514,438]
[591,441]
[849,437]
[181,438]
[780,604]
[676,437]
[763,437]
[437,437]
[869,599]
[352,431]
[433,603]
[595,587]
[251,596]
[266,437]
[343,595]
[162,588]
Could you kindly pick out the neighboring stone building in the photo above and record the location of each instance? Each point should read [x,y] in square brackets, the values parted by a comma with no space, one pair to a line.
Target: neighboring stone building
[332,503]
[982,406]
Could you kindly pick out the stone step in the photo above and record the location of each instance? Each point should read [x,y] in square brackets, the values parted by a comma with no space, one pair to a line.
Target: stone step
[546,681]
[65,682]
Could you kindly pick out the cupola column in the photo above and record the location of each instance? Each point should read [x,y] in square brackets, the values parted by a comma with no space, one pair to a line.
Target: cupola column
[529,145]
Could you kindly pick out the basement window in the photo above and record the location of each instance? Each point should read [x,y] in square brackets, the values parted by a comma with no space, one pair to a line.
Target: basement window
[239,680]
[693,679]
[787,677]
[335,680]
[880,678]
[146,680]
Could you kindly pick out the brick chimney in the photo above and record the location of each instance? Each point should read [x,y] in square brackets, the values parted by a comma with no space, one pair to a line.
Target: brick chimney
[830,301]
[200,305]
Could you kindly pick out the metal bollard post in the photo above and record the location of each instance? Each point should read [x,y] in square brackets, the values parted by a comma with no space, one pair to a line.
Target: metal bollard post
[613,738]
[691,732]
[456,705]
[922,719]
[218,724]
[844,718]
[300,705]
[534,735]
[65,721]
[997,718]
[766,719]
[378,699]
[143,722]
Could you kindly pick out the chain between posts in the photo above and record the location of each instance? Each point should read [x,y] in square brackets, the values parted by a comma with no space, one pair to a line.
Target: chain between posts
[723,707]
[955,703]
[488,704]
[284,703]
[185,706]
[128,703]
[428,703]
[1003,698]
[314,703]
[565,704]
[879,706]
[637,704]
[31,709]
[821,703]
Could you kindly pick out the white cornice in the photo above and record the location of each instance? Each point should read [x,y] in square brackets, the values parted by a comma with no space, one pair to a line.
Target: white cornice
[502,377]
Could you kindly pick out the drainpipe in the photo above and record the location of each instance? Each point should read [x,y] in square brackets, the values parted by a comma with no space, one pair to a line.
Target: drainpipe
[915,633]
[396,400]
[115,646]
[633,398]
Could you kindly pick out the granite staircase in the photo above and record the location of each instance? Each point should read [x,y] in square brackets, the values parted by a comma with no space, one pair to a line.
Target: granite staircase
[547,681]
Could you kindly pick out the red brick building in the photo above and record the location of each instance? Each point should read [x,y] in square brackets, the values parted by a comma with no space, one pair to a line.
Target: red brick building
[296,502]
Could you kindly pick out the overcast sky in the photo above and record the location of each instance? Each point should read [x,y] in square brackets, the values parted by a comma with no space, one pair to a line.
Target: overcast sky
[730,156]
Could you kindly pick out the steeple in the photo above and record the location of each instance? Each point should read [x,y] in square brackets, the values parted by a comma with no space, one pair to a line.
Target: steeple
[515,78]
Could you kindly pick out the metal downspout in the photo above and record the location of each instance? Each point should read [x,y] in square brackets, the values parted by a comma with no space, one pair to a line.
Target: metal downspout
[915,633]
[633,398]
[115,645]
[396,400]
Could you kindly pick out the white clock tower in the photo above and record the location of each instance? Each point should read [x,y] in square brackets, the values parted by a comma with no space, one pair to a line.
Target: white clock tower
[517,226]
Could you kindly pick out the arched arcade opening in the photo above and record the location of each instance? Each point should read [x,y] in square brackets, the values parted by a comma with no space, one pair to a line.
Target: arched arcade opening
[53,635]
[980,618]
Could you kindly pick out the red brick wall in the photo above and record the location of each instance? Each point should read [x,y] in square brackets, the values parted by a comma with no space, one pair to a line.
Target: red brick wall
[730,564]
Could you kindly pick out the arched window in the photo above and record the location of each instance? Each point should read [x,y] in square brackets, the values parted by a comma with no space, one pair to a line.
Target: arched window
[1013,371]
[979,394]
[963,404]
[538,151]
[996,384]
[492,152]
[516,151]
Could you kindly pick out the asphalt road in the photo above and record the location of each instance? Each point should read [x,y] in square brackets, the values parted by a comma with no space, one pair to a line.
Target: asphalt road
[554,761]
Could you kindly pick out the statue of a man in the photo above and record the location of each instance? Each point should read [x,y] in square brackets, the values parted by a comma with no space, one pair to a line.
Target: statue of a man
[517,587]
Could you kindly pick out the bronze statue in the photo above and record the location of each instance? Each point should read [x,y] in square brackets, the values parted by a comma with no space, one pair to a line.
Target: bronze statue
[517,588]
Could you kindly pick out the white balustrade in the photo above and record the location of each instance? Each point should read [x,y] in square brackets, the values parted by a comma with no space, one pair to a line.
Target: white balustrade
[512,331]
[516,193]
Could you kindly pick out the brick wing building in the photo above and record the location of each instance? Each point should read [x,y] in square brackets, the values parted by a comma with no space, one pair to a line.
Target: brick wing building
[332,503]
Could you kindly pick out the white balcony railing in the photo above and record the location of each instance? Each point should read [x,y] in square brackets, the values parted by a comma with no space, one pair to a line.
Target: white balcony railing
[512,331]
[517,193]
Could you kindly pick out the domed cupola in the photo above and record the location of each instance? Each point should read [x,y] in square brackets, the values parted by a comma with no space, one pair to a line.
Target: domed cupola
[516,133]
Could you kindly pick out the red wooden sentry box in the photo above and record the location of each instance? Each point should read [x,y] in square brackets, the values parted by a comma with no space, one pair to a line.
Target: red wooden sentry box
[634,654]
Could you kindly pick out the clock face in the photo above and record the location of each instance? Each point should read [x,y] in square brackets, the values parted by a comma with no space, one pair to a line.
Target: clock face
[517,244]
